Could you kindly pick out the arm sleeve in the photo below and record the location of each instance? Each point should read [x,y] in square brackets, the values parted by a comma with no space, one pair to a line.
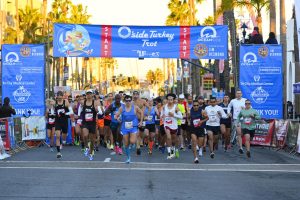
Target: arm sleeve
[70,111]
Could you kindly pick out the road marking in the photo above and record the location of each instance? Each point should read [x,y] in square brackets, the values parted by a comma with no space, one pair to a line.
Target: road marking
[106,160]
[154,169]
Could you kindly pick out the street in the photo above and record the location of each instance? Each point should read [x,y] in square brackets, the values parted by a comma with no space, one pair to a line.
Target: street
[37,174]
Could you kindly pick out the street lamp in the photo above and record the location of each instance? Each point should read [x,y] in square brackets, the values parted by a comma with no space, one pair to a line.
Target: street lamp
[244,27]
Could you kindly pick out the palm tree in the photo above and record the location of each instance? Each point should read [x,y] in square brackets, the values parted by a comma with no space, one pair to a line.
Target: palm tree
[258,5]
[283,42]
[273,16]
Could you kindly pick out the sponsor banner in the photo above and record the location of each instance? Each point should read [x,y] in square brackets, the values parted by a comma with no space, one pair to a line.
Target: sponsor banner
[33,128]
[23,78]
[261,78]
[296,88]
[263,133]
[189,42]
[4,133]
[281,127]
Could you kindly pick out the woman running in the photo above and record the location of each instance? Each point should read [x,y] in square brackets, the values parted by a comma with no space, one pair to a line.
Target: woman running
[50,116]
[149,116]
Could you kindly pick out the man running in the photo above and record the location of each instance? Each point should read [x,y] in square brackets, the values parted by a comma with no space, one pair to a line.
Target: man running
[62,110]
[237,105]
[89,119]
[50,116]
[214,113]
[129,128]
[247,119]
[170,115]
[149,115]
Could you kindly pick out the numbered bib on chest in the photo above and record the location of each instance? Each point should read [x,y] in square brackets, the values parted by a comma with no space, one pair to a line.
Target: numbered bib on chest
[196,122]
[144,123]
[150,118]
[248,120]
[59,111]
[168,120]
[183,121]
[51,120]
[79,121]
[89,117]
[213,118]
[129,125]
[157,118]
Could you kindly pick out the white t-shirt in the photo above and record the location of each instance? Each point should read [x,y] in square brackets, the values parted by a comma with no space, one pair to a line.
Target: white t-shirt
[213,115]
[237,106]
[169,121]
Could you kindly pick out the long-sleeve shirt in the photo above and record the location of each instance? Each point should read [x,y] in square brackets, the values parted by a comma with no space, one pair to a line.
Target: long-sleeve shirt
[248,121]
[237,105]
[214,114]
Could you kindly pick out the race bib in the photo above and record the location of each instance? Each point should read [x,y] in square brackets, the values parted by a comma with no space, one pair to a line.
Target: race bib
[212,118]
[157,118]
[183,121]
[196,122]
[150,118]
[248,120]
[144,123]
[129,125]
[51,120]
[168,120]
[89,117]
[59,111]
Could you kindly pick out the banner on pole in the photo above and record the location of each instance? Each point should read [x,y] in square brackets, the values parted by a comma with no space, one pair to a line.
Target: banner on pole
[33,128]
[195,42]
[23,78]
[261,78]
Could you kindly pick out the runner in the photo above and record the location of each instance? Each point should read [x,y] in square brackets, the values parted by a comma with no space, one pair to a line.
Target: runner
[159,124]
[115,125]
[237,105]
[78,123]
[149,115]
[100,121]
[129,114]
[198,119]
[170,115]
[214,113]
[89,114]
[182,123]
[62,110]
[137,101]
[108,137]
[225,123]
[247,119]
[50,116]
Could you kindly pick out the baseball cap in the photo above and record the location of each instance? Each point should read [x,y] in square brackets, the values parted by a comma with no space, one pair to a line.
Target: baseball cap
[89,91]
[181,96]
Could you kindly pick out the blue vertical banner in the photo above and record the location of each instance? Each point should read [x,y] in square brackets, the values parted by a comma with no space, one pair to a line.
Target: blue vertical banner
[23,77]
[261,78]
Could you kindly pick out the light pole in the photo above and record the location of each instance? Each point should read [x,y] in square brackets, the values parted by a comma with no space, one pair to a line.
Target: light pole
[244,27]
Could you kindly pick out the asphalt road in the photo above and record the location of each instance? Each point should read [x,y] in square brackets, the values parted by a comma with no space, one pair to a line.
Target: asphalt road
[37,174]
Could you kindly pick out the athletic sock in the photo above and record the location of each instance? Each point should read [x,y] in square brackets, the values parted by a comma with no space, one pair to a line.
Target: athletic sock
[58,148]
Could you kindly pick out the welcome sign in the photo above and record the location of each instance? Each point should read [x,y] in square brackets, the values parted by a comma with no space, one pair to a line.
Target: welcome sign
[195,42]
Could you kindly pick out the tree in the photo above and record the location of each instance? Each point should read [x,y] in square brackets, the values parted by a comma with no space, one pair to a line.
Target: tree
[258,5]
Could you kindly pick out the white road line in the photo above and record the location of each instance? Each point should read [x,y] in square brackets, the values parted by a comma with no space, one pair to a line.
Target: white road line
[155,169]
[106,160]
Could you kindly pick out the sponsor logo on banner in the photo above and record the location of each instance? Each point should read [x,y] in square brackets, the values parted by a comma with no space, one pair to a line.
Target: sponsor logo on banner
[249,59]
[12,58]
[25,51]
[263,51]
[207,34]
[259,95]
[74,40]
[201,50]
[21,95]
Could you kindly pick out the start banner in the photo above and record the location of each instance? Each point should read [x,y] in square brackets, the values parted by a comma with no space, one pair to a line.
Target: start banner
[189,42]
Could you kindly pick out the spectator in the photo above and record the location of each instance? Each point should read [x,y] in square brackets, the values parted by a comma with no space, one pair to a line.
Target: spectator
[271,39]
[7,110]
[256,38]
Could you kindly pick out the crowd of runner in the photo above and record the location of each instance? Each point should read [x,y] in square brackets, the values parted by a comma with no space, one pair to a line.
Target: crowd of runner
[124,123]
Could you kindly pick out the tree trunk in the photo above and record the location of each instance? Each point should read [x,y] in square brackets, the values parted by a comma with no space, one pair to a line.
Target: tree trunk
[54,72]
[283,43]
[259,22]
[63,70]
[217,74]
[77,74]
[273,16]
[58,72]
[91,70]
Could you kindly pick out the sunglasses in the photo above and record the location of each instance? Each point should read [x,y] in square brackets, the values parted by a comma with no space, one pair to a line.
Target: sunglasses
[248,103]
[128,100]
[195,105]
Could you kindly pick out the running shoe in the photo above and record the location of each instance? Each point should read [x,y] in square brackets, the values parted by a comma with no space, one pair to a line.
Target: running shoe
[77,143]
[86,152]
[111,147]
[138,152]
[212,155]
[170,156]
[200,152]
[196,161]
[128,161]
[181,147]
[120,151]
[177,153]
[91,157]
[58,155]
[248,154]
[241,151]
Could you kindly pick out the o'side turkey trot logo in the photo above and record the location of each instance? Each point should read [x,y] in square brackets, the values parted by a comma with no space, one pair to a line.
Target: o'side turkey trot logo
[249,59]
[259,95]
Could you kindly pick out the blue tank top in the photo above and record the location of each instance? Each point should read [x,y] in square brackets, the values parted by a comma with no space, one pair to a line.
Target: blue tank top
[151,115]
[195,117]
[115,110]
[129,119]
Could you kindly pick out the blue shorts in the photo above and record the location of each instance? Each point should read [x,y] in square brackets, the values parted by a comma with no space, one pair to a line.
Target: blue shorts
[129,131]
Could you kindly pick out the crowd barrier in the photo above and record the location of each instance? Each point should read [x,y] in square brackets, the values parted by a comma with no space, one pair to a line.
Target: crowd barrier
[18,134]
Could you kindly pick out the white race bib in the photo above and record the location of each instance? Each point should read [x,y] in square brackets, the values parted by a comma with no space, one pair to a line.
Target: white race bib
[129,125]
[89,117]
[150,117]
[144,123]
[248,120]
[212,118]
[59,111]
[51,120]
[183,121]
[196,122]
[79,121]
[168,120]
